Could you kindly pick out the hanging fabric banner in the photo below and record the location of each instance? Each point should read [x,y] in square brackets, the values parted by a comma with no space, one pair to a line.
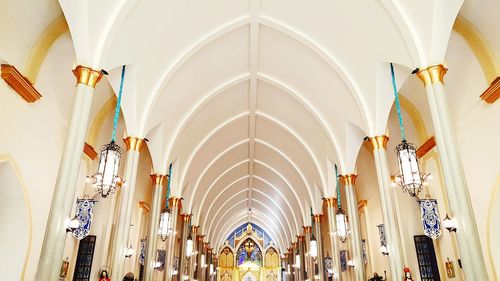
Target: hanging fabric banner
[430,218]
[343,260]
[84,210]
[160,257]
[142,251]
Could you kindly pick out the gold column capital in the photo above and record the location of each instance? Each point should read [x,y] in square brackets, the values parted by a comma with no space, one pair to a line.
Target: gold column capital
[379,142]
[349,179]
[300,238]
[158,179]
[186,217]
[331,202]
[133,143]
[290,250]
[209,250]
[200,237]
[317,217]
[144,206]
[174,201]
[205,245]
[87,76]
[307,229]
[432,74]
[194,228]
[294,245]
[286,254]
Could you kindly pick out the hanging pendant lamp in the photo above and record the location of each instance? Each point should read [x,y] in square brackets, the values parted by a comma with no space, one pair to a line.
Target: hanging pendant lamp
[165,228]
[410,178]
[340,217]
[189,242]
[107,180]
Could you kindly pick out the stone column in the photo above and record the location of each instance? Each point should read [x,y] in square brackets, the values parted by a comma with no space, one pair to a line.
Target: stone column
[121,241]
[352,202]
[285,266]
[453,173]
[319,239]
[301,246]
[207,276]
[394,244]
[331,207]
[296,275]
[182,257]
[193,261]
[174,204]
[51,256]
[309,264]
[199,249]
[158,181]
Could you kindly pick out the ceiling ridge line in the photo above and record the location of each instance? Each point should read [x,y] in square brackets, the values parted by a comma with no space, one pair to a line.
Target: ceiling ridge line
[253,57]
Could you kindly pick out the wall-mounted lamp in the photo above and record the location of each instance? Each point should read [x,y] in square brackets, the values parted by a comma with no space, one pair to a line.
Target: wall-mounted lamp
[72,224]
[350,263]
[129,251]
[384,250]
[450,223]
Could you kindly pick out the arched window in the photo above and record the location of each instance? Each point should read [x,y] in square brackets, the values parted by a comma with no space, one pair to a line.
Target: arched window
[226,258]
[272,258]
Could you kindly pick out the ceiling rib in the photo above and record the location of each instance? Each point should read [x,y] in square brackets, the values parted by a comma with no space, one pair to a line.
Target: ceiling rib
[253,61]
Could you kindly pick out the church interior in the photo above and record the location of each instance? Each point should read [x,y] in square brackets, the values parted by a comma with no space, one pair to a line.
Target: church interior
[250,140]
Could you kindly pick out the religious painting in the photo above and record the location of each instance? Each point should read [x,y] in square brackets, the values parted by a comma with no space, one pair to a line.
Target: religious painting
[343,260]
[450,268]
[64,268]
[249,252]
[364,252]
[142,251]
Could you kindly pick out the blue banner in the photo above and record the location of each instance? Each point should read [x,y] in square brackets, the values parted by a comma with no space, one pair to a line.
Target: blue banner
[430,218]
[84,210]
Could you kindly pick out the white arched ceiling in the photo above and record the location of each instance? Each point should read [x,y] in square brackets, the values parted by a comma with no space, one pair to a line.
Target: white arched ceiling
[254,100]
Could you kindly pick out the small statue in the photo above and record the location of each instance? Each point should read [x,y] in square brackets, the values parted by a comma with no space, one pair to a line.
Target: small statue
[376,277]
[407,275]
[104,276]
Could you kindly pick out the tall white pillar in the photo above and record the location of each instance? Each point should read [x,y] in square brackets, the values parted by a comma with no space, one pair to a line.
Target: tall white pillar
[319,240]
[453,173]
[158,181]
[302,271]
[309,268]
[121,241]
[182,257]
[352,202]
[334,243]
[394,244]
[193,261]
[54,241]
[173,203]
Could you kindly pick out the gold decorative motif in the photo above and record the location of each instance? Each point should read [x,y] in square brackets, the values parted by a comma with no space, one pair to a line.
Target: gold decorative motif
[379,142]
[174,201]
[87,76]
[133,143]
[331,202]
[209,250]
[362,204]
[317,217]
[349,180]
[144,206]
[158,179]
[300,238]
[432,74]
[307,229]
[194,228]
[89,151]
[205,245]
[19,83]
[200,237]
[294,245]
[426,147]
[493,92]
[186,217]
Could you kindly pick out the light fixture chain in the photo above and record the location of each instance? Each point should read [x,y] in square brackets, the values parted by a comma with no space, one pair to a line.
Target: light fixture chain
[398,107]
[338,187]
[118,104]
[168,184]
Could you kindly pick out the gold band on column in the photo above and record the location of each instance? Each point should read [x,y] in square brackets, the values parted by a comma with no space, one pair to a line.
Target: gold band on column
[200,237]
[432,74]
[349,179]
[307,229]
[317,217]
[379,142]
[174,201]
[294,245]
[331,202]
[186,217]
[300,238]
[144,206]
[87,76]
[133,143]
[158,179]
[194,228]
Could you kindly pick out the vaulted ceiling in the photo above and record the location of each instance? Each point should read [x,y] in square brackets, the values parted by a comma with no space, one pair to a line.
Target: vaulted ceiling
[255,101]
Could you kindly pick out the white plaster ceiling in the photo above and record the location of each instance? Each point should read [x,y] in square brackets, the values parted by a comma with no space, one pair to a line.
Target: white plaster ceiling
[254,101]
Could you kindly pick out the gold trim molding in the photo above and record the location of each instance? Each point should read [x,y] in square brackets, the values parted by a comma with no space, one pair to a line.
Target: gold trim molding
[426,147]
[317,217]
[307,229]
[158,179]
[87,76]
[19,83]
[186,217]
[144,206]
[133,143]
[362,204]
[493,92]
[174,201]
[89,151]
[331,202]
[349,179]
[194,228]
[432,74]
[379,142]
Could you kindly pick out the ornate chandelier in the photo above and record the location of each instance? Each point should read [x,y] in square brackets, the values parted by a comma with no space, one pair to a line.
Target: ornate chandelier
[340,217]
[107,180]
[410,178]
[166,216]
